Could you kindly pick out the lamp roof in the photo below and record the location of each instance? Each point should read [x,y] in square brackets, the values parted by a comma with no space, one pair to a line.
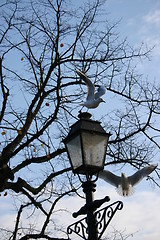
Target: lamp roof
[86,124]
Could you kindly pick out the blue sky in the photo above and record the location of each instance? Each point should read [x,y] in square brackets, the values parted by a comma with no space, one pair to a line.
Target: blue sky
[140,21]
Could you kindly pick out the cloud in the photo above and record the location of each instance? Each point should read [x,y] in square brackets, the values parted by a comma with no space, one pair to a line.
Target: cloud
[139,216]
[153,17]
[7,216]
[148,31]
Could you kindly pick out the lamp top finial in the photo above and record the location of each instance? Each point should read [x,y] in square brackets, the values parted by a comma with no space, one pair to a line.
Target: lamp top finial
[84,115]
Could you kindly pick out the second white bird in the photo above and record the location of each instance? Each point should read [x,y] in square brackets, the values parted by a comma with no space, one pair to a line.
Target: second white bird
[124,185]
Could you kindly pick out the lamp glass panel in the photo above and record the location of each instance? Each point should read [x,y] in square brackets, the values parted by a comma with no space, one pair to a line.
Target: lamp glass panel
[75,152]
[94,149]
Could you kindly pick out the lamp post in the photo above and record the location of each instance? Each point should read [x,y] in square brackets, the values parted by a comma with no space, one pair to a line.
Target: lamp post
[86,145]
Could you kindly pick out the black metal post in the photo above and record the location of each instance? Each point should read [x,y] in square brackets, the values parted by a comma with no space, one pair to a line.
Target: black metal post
[88,188]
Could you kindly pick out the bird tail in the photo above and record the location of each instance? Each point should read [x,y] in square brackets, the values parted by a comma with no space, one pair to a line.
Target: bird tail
[126,192]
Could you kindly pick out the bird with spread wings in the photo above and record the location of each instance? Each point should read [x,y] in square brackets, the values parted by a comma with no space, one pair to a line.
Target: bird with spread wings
[124,185]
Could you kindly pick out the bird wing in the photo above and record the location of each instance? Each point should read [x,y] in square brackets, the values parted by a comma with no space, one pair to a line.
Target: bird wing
[101,91]
[91,89]
[110,178]
[139,175]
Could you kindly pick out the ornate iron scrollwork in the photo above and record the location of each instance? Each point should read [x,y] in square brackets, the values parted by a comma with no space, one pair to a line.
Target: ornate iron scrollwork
[105,215]
[103,218]
[80,228]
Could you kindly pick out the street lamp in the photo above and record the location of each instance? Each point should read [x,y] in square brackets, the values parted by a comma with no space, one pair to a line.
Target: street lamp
[86,145]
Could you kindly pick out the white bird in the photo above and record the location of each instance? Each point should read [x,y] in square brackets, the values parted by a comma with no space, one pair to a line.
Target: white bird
[124,185]
[93,99]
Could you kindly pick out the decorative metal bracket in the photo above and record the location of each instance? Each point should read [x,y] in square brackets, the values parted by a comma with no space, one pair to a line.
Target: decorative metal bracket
[103,218]
[105,215]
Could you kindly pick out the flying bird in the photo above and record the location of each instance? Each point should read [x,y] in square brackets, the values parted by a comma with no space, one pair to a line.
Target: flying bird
[93,99]
[124,185]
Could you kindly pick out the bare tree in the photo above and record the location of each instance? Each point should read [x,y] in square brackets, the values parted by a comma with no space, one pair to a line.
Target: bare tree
[119,235]
[41,42]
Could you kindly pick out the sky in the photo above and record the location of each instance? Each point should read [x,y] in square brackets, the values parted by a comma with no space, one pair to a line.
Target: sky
[139,218]
[140,21]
